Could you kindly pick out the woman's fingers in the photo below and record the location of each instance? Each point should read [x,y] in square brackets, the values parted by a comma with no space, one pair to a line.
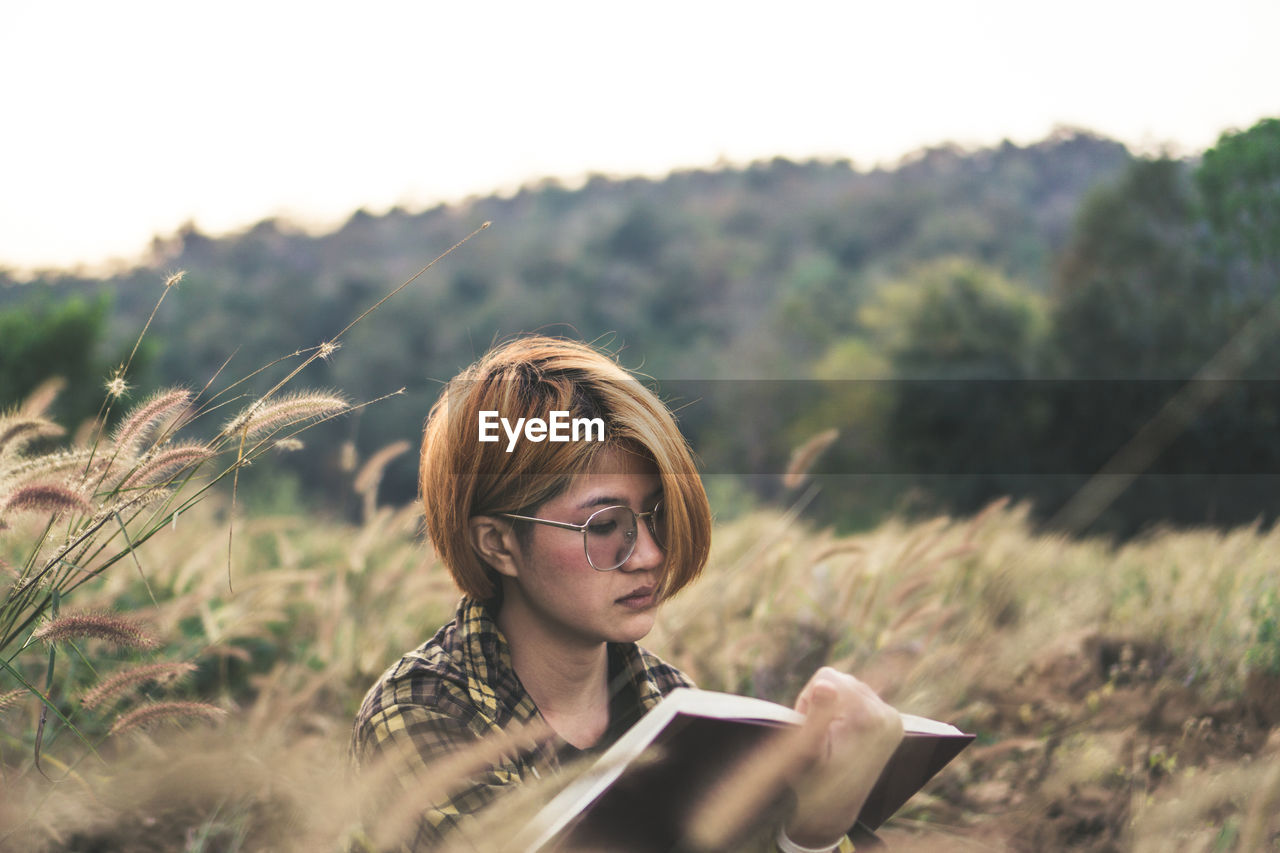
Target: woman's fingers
[850,715]
[817,683]
[850,732]
[819,702]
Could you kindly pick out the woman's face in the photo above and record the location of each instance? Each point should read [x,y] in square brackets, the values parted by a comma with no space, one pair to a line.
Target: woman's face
[569,598]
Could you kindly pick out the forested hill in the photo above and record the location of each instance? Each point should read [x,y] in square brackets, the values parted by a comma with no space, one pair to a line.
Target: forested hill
[700,273]
[779,270]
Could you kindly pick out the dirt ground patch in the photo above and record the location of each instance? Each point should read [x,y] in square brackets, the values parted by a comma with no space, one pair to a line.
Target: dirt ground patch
[1091,733]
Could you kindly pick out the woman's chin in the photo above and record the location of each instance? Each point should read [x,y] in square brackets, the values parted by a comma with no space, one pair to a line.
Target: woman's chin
[632,627]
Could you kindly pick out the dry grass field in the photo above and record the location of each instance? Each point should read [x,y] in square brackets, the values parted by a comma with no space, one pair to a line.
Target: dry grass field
[1124,697]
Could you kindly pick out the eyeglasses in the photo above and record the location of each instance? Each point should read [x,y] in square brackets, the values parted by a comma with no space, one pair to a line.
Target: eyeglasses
[609,535]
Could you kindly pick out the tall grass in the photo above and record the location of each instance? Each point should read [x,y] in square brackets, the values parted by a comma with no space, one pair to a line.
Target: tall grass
[71,517]
[980,621]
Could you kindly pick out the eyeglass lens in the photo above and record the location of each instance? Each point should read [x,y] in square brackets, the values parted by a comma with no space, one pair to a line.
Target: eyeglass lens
[611,535]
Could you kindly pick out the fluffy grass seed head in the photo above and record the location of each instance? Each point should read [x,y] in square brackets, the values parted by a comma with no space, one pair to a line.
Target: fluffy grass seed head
[155,713]
[265,416]
[19,430]
[370,474]
[69,463]
[12,697]
[165,463]
[98,625]
[41,398]
[163,672]
[803,457]
[146,416]
[115,386]
[51,497]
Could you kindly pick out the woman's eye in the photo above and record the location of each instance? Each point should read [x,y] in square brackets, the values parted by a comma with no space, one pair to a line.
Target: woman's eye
[602,528]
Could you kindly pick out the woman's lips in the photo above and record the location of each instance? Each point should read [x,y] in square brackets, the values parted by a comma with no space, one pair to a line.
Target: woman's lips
[641,599]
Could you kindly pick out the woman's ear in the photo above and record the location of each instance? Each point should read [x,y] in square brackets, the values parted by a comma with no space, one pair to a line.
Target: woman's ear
[494,540]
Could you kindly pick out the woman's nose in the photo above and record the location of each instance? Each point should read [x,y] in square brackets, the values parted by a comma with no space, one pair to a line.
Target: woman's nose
[648,554]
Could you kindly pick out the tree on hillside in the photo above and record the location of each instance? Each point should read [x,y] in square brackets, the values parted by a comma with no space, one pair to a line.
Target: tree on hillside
[41,339]
[934,396]
[964,343]
[1135,292]
[1164,279]
[1239,183]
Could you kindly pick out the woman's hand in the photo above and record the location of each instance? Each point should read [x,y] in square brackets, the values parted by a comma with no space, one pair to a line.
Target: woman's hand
[847,738]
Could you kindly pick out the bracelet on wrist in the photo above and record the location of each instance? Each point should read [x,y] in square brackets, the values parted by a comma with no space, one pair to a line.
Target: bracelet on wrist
[786,845]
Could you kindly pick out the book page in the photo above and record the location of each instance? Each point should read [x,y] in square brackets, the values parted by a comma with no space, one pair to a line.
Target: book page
[924,725]
[729,706]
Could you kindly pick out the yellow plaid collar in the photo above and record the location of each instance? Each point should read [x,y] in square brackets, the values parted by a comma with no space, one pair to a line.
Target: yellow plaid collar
[494,686]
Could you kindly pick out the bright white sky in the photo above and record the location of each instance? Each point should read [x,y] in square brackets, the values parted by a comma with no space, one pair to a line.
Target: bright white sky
[120,120]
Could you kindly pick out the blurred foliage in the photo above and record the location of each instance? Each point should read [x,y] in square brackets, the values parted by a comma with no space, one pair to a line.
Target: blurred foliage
[1162,284]
[46,335]
[1239,183]
[974,322]
[1264,653]
[1136,292]
[963,341]
[1152,357]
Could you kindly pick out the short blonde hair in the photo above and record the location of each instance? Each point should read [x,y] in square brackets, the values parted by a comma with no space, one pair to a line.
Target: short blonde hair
[461,477]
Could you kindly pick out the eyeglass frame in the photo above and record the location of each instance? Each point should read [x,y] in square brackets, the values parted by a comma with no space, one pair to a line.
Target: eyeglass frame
[566,525]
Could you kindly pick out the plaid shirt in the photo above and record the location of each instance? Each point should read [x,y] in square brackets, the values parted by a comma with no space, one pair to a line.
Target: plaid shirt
[458,688]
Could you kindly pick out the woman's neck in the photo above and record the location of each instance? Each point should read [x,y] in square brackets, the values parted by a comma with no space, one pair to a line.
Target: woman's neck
[567,677]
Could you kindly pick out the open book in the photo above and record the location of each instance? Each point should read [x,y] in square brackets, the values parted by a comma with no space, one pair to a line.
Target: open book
[643,790]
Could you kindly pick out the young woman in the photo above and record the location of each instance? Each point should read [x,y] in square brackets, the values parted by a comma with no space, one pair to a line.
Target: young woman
[564,550]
